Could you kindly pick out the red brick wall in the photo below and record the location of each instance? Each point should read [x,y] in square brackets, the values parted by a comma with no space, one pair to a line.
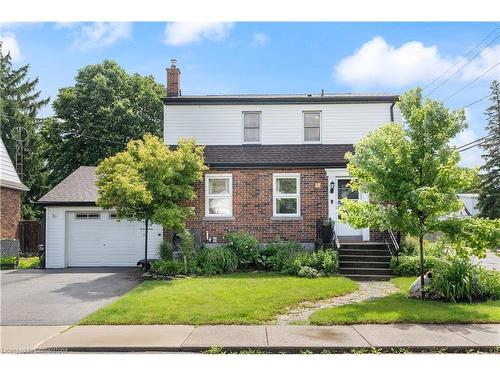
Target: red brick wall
[253,206]
[10,213]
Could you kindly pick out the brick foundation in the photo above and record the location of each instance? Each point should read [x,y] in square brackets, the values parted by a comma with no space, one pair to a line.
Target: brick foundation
[10,213]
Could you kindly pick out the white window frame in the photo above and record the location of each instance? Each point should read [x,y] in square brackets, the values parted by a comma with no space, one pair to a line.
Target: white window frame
[243,128]
[208,196]
[277,194]
[304,126]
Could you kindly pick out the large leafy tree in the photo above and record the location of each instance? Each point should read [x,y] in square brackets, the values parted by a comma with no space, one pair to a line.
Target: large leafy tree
[20,102]
[97,116]
[412,176]
[489,193]
[150,182]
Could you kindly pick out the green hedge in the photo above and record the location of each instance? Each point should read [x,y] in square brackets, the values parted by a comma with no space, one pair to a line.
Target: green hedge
[409,265]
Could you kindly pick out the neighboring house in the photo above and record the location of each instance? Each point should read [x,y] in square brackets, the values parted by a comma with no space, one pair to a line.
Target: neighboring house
[11,189]
[80,234]
[276,161]
[470,202]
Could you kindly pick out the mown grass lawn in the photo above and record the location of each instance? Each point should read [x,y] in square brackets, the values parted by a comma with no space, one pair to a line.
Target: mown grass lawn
[397,308]
[241,298]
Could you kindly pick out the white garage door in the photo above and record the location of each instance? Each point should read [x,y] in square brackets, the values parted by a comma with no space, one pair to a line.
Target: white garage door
[96,238]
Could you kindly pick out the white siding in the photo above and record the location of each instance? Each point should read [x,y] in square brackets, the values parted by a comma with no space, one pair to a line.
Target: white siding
[55,228]
[56,235]
[281,124]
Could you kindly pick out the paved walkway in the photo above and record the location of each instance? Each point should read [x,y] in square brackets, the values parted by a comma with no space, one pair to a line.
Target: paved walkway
[270,338]
[367,290]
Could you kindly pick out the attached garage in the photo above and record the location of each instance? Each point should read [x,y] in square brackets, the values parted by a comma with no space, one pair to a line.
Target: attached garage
[80,234]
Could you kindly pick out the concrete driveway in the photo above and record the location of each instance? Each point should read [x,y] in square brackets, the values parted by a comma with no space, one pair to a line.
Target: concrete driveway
[60,297]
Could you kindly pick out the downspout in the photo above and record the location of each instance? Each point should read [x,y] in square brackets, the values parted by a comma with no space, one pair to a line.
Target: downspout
[392,110]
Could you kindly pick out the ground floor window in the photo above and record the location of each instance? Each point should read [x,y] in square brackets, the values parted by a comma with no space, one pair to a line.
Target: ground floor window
[286,194]
[219,195]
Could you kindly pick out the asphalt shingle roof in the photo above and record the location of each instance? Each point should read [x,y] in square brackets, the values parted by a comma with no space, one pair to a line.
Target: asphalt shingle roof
[80,186]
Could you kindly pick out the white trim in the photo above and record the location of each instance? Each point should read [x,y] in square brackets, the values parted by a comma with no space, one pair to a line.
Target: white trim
[208,196]
[304,126]
[282,195]
[243,128]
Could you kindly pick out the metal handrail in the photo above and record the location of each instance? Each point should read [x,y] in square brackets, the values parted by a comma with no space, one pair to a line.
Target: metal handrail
[335,238]
[391,242]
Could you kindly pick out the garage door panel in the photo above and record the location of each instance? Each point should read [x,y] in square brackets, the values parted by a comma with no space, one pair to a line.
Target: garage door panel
[108,242]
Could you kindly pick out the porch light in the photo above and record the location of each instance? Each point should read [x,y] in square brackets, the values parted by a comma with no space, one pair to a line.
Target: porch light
[332,186]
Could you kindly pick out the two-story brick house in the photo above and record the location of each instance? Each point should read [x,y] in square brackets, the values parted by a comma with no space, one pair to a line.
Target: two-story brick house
[276,162]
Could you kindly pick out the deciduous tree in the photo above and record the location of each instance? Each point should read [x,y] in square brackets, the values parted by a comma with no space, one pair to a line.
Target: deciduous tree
[411,174]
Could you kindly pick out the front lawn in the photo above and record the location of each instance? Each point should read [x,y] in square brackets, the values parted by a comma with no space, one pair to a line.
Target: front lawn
[240,298]
[397,308]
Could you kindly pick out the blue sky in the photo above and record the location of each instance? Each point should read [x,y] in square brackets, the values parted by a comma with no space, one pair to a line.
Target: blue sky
[225,58]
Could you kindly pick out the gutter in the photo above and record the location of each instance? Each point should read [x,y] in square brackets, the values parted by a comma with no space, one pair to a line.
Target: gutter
[392,110]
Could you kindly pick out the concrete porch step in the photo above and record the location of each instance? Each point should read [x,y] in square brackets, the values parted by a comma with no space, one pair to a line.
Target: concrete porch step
[363,264]
[385,252]
[363,245]
[364,258]
[365,271]
[368,277]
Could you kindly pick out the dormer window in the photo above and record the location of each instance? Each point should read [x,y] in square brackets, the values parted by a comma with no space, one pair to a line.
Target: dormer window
[251,127]
[312,126]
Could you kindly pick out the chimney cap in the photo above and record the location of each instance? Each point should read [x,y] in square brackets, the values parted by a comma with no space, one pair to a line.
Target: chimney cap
[173,63]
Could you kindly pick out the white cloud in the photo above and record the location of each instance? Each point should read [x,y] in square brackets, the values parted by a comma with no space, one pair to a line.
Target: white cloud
[376,63]
[100,34]
[10,44]
[259,39]
[180,33]
[487,58]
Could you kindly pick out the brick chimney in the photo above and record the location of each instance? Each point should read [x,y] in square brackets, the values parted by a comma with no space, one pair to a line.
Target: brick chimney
[173,79]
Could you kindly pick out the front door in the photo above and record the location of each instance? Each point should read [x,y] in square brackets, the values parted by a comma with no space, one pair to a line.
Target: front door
[340,191]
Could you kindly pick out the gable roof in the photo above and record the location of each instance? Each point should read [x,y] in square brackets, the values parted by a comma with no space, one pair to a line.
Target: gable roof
[281,99]
[78,188]
[8,174]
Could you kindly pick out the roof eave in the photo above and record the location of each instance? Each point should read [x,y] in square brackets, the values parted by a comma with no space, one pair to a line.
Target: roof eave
[65,203]
[180,100]
[13,185]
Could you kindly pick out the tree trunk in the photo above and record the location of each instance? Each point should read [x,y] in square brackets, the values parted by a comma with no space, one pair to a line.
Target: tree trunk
[421,245]
[146,246]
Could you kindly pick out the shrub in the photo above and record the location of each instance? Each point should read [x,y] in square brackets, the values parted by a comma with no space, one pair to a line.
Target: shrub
[306,271]
[280,255]
[30,262]
[409,265]
[245,247]
[218,260]
[461,281]
[7,261]
[168,267]
[166,250]
[325,262]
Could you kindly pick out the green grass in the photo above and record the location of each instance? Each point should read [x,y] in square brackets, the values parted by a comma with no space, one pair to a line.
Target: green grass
[30,262]
[397,308]
[240,298]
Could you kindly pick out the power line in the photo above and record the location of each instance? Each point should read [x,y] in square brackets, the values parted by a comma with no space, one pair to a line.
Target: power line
[463,66]
[474,102]
[463,58]
[475,141]
[470,83]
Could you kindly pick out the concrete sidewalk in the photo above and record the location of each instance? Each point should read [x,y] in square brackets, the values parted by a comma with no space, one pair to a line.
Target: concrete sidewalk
[270,338]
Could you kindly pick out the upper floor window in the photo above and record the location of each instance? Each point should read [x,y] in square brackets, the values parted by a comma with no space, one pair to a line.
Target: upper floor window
[286,194]
[251,127]
[219,195]
[312,126]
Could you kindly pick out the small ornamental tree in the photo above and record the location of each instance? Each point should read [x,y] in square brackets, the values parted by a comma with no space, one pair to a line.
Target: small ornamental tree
[151,183]
[412,176]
